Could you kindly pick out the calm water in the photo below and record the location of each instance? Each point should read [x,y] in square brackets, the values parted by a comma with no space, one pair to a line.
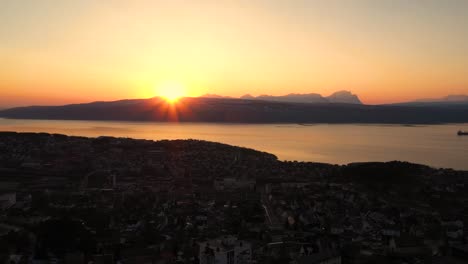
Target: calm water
[435,145]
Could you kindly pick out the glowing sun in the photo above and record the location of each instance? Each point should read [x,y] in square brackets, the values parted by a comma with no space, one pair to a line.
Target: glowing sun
[171,92]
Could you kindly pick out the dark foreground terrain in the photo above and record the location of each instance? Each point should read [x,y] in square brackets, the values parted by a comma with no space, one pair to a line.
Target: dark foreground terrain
[107,200]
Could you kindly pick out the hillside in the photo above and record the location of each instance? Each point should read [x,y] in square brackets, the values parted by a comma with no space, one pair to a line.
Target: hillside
[243,111]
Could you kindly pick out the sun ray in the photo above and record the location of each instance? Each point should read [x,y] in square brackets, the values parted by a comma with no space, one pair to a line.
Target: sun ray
[175,111]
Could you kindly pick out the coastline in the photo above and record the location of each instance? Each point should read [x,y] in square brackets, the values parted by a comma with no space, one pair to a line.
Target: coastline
[354,163]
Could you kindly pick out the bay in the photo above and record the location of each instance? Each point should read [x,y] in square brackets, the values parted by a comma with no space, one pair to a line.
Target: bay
[433,145]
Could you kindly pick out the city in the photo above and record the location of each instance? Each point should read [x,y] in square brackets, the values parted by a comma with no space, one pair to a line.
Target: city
[67,199]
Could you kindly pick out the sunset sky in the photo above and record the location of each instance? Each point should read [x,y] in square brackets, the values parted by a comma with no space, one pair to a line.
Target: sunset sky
[68,51]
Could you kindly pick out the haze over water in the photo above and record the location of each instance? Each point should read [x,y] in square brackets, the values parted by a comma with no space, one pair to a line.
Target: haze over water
[434,145]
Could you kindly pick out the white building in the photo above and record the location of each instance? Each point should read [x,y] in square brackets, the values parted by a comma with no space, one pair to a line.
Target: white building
[225,250]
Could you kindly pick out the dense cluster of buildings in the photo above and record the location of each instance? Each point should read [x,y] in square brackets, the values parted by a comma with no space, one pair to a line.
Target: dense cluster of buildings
[116,200]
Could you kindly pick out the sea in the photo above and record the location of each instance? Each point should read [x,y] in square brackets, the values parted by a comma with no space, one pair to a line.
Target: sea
[434,145]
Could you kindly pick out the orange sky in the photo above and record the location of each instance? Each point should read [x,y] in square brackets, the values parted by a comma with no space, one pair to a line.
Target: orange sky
[57,52]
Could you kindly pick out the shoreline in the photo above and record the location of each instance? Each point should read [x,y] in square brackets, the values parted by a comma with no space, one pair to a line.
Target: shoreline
[3,133]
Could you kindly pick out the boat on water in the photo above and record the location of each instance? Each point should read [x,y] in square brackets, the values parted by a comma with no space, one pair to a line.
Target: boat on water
[462,133]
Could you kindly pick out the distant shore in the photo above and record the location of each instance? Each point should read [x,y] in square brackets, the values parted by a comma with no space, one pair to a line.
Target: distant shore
[215,110]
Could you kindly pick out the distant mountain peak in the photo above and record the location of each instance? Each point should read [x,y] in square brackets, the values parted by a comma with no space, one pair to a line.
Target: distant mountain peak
[344,96]
[343,93]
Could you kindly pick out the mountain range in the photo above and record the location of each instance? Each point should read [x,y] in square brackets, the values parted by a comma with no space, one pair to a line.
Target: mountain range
[448,98]
[235,110]
[337,97]
[444,101]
